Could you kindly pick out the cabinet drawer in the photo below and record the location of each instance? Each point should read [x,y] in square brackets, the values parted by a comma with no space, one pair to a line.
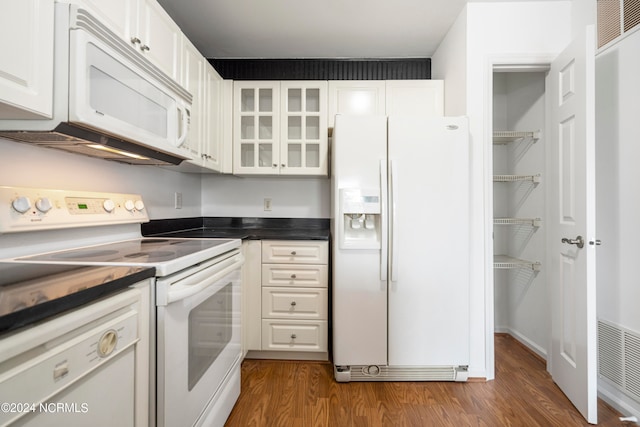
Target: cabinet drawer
[295,252]
[298,335]
[313,276]
[294,303]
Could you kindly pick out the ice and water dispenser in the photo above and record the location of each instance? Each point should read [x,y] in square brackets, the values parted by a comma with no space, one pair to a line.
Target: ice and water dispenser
[360,217]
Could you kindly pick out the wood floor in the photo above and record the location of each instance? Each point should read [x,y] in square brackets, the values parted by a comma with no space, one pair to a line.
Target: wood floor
[302,394]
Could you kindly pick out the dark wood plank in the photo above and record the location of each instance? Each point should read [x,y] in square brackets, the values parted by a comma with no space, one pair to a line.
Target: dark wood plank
[293,393]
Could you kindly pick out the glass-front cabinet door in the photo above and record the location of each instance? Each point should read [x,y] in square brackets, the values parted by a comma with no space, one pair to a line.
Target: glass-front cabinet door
[256,128]
[303,111]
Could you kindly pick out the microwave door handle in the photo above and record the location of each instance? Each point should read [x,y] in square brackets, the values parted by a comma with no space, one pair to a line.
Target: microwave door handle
[184,124]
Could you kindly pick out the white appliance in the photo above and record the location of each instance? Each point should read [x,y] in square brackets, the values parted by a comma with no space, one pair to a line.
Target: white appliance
[400,227]
[109,101]
[196,366]
[85,366]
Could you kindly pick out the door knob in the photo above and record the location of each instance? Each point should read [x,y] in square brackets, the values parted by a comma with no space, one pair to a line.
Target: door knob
[578,241]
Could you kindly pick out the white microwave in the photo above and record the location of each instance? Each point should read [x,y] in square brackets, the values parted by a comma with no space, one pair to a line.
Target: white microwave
[109,100]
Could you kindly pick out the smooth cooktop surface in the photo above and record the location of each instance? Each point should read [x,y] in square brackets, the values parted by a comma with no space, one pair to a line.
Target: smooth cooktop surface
[138,251]
[33,292]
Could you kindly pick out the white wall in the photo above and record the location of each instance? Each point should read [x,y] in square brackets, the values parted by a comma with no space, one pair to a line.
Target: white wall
[618,191]
[24,165]
[583,13]
[449,63]
[518,32]
[244,197]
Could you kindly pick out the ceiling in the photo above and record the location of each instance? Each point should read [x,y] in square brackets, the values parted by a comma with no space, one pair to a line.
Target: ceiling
[315,28]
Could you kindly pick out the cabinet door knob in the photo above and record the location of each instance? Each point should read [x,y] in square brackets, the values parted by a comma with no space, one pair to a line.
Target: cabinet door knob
[144,47]
[293,252]
[293,336]
[293,276]
[135,40]
[293,303]
[283,165]
[275,165]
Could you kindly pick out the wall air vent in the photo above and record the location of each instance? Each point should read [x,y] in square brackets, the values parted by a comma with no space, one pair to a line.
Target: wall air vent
[619,358]
[631,14]
[608,21]
[616,17]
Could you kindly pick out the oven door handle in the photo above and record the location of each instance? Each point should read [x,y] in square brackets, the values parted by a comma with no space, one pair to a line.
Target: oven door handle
[201,280]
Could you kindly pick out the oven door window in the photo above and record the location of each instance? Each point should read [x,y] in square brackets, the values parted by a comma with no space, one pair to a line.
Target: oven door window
[210,330]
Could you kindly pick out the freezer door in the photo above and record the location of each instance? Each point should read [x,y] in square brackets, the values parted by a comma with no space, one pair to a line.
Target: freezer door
[359,293]
[429,241]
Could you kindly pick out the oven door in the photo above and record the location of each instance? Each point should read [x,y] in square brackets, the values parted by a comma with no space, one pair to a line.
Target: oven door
[198,338]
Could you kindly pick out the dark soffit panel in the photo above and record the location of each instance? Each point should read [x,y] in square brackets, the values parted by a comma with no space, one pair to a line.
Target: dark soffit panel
[323,69]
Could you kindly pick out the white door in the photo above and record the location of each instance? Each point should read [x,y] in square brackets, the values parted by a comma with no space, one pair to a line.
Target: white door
[571,231]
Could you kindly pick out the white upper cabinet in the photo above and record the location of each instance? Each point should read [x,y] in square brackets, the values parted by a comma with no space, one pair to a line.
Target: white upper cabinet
[160,37]
[26,63]
[256,128]
[217,143]
[209,140]
[385,97]
[410,97]
[193,81]
[144,24]
[356,97]
[119,15]
[303,124]
[280,128]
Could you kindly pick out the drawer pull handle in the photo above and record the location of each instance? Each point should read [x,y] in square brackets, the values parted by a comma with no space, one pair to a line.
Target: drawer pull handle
[293,303]
[293,253]
[293,276]
[293,336]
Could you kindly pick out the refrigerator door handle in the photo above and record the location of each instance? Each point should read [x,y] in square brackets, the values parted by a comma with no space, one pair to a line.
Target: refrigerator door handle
[393,235]
[383,221]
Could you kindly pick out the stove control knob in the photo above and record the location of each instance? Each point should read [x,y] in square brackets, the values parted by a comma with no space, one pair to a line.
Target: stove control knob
[21,204]
[43,204]
[108,205]
[139,205]
[129,205]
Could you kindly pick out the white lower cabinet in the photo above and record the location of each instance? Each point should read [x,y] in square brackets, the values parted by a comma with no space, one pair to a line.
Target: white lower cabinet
[299,335]
[292,321]
[294,303]
[251,295]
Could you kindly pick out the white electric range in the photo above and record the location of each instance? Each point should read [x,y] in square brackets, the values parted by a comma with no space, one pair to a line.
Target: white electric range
[197,289]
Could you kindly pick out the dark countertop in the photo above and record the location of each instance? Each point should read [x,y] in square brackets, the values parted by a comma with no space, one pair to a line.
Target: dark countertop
[240,228]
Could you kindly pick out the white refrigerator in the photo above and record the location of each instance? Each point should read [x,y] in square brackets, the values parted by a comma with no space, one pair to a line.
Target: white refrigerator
[400,248]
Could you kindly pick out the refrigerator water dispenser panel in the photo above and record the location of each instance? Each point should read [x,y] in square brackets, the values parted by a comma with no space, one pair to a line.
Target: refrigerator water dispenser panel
[360,222]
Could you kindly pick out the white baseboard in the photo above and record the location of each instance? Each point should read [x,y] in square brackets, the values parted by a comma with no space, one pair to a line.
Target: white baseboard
[524,341]
[618,400]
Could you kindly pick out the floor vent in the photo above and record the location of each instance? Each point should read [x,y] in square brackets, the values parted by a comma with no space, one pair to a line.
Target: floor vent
[619,357]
